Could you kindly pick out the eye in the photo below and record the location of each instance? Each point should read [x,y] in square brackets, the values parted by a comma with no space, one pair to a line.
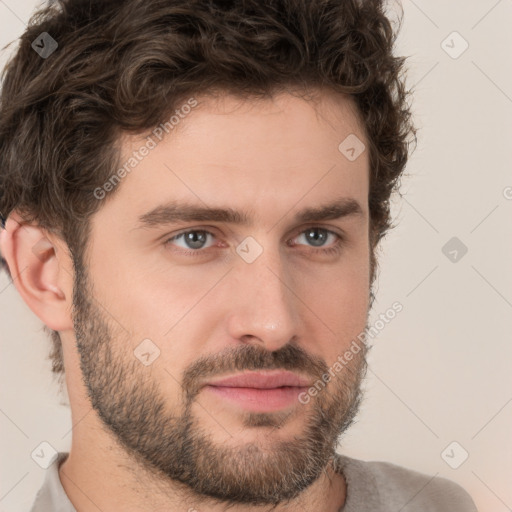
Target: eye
[194,239]
[317,236]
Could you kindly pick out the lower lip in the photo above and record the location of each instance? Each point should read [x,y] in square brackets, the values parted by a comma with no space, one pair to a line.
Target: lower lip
[260,400]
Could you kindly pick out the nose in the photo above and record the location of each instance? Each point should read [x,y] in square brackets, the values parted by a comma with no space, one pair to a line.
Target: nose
[263,303]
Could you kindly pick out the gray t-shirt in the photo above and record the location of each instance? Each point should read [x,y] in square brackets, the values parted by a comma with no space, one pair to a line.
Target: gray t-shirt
[371,487]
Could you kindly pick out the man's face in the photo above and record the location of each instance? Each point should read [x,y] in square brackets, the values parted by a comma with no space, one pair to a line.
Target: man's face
[225,298]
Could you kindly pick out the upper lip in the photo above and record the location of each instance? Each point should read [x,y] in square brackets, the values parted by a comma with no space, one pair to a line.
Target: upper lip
[262,380]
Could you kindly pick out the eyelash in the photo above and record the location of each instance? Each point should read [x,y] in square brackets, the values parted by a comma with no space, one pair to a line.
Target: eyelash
[200,252]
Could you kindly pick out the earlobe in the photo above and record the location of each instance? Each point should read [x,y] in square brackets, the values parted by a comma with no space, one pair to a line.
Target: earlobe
[37,266]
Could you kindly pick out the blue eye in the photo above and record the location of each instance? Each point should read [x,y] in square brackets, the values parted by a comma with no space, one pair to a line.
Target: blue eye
[195,240]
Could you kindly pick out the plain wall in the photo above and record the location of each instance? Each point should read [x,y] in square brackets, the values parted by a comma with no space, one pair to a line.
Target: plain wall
[440,371]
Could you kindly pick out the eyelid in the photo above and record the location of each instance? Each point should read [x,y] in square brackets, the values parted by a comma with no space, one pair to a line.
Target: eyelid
[330,229]
[296,232]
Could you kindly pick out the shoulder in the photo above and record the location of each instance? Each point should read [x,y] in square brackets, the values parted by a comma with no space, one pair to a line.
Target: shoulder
[404,489]
[430,492]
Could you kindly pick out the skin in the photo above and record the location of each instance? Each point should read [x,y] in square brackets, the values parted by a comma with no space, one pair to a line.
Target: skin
[292,308]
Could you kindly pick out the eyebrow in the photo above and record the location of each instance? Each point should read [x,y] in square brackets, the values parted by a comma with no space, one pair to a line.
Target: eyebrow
[174,211]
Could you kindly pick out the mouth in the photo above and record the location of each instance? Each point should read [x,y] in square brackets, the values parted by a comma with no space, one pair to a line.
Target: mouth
[260,391]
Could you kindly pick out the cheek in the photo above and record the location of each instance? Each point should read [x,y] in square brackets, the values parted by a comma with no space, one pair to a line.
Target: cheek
[338,296]
[341,302]
[168,309]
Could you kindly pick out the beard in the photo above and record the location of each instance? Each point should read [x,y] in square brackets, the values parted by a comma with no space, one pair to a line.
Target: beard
[170,444]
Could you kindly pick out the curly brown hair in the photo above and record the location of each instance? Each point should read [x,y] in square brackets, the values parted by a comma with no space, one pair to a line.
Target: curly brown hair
[125,66]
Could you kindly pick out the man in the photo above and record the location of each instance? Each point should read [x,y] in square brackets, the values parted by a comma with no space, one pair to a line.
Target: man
[193,193]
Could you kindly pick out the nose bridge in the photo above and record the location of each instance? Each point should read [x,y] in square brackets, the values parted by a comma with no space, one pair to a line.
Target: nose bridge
[263,304]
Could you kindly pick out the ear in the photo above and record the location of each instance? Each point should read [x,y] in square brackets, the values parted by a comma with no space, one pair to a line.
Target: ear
[41,270]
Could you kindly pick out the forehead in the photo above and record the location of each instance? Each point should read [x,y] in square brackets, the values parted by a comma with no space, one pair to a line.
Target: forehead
[251,154]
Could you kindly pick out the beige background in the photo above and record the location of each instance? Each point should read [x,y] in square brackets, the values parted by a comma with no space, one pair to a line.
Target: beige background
[440,371]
